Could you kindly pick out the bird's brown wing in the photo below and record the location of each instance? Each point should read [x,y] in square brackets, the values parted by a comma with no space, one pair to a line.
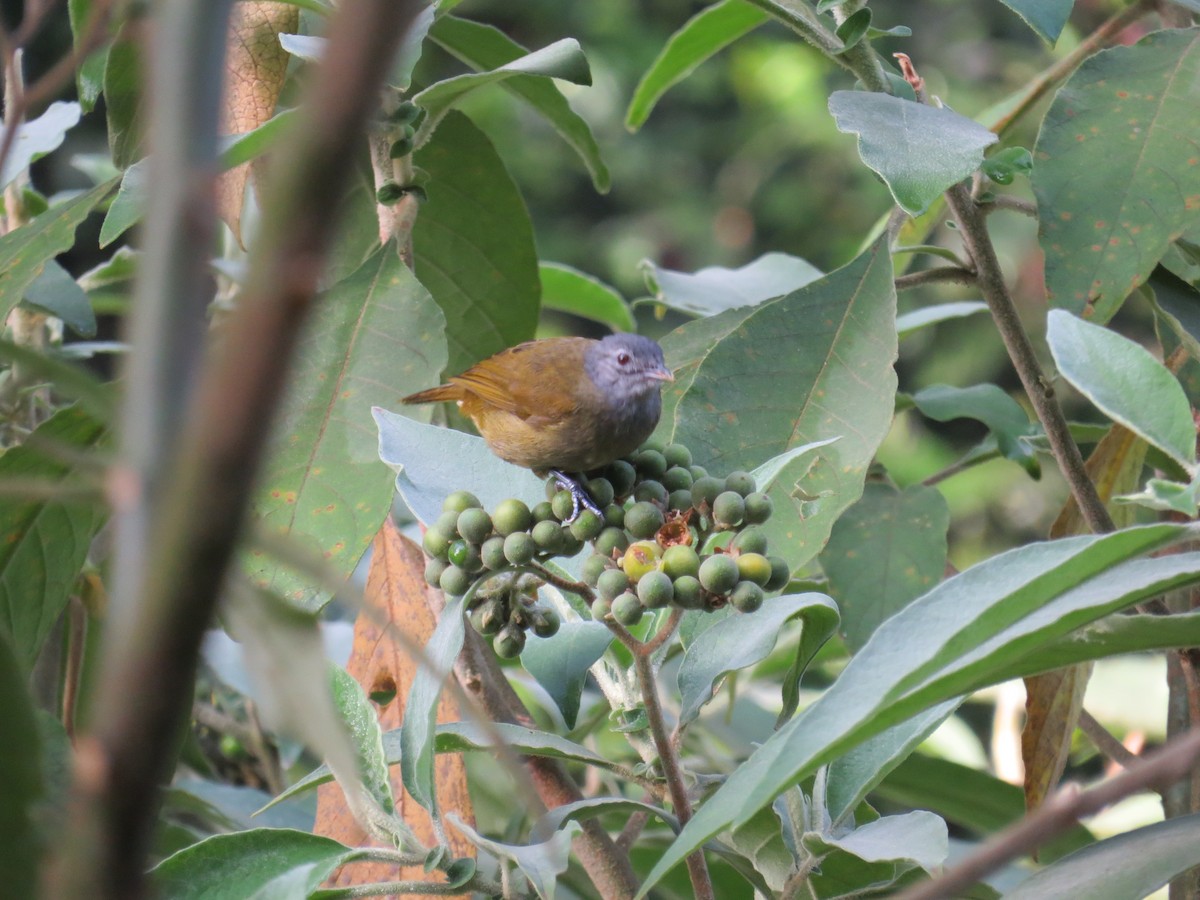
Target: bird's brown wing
[538,381]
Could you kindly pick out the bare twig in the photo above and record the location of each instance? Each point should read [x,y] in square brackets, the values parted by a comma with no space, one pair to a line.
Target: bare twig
[940,275]
[1105,742]
[1007,201]
[1061,812]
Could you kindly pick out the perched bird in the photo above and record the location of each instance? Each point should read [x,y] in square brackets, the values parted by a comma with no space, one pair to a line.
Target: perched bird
[562,405]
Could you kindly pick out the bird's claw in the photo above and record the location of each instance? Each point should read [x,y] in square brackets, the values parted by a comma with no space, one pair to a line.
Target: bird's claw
[579,495]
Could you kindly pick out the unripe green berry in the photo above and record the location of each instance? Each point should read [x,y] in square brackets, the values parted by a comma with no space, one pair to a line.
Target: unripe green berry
[640,558]
[754,567]
[680,560]
[718,573]
[651,492]
[447,524]
[588,526]
[729,509]
[543,512]
[433,571]
[677,455]
[548,536]
[655,590]
[643,520]
[509,642]
[475,525]
[601,608]
[511,516]
[545,623]
[436,543]
[519,548]
[741,483]
[455,581]
[489,617]
[612,583]
[746,597]
[612,540]
[698,472]
[689,593]
[627,609]
[750,540]
[621,475]
[758,507]
[570,544]
[601,491]
[650,463]
[460,500]
[705,490]
[465,555]
[781,574]
[614,515]
[492,553]
[677,478]
[679,501]
[563,505]
[593,567]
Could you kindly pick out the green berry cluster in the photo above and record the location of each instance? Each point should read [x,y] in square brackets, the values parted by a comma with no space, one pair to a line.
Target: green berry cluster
[668,534]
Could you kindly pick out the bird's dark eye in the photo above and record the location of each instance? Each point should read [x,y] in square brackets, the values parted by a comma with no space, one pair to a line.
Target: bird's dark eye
[622,358]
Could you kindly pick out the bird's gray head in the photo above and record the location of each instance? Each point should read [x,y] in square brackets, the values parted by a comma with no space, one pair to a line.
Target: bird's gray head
[626,367]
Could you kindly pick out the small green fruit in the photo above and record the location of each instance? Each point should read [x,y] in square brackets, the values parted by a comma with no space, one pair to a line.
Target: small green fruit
[781,574]
[719,573]
[601,608]
[466,556]
[545,623]
[601,491]
[548,536]
[677,455]
[489,617]
[729,509]
[519,548]
[651,492]
[754,567]
[460,500]
[492,553]
[740,482]
[643,520]
[475,525]
[588,526]
[627,609]
[640,558]
[677,478]
[455,581]
[612,583]
[593,567]
[543,512]
[689,593]
[614,515]
[612,540]
[679,501]
[746,597]
[758,507]
[511,516]
[655,590]
[650,463]
[621,475]
[563,505]
[433,571]
[509,642]
[705,490]
[680,560]
[750,540]
[447,524]
[436,543]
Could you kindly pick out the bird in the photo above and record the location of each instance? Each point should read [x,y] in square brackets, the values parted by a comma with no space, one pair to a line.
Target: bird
[562,406]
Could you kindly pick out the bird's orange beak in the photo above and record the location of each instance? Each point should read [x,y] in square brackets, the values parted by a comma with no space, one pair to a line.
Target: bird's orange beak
[661,374]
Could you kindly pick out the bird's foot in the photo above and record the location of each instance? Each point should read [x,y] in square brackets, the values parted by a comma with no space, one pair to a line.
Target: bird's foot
[579,495]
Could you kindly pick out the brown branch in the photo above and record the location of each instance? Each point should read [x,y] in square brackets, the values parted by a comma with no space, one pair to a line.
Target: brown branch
[1061,812]
[1105,742]
[1007,201]
[940,275]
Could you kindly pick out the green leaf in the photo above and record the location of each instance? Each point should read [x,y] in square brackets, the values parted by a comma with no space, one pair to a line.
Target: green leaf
[420,711]
[69,379]
[483,47]
[917,838]
[761,841]
[374,338]
[129,204]
[854,28]
[563,59]
[123,78]
[952,640]
[38,137]
[560,663]
[987,403]
[25,251]
[913,321]
[89,74]
[705,34]
[43,543]
[1114,186]
[735,643]
[885,551]
[919,151]
[362,725]
[243,863]
[1170,496]
[409,54]
[1110,637]
[1179,304]
[1045,17]
[20,760]
[1127,384]
[571,291]
[541,863]
[1134,864]
[1003,166]
[820,624]
[715,289]
[473,245]
[431,462]
[308,47]
[554,819]
[56,292]
[242,148]
[828,348]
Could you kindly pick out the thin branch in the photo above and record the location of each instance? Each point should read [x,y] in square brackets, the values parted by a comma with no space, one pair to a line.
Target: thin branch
[1105,742]
[940,275]
[960,466]
[412,889]
[1007,201]
[1060,813]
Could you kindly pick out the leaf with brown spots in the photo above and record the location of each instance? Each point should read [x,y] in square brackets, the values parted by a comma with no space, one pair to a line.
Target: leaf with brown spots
[397,599]
[255,70]
[1117,170]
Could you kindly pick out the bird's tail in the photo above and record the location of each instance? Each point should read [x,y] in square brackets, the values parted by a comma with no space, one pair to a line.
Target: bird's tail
[435,395]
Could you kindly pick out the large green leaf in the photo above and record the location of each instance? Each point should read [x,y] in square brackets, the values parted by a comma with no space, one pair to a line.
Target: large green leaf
[25,251]
[484,47]
[1128,384]
[815,364]
[123,99]
[362,726]
[1110,637]
[560,663]
[57,293]
[239,865]
[38,137]
[715,289]
[1114,178]
[473,245]
[44,542]
[1045,17]
[886,550]
[987,403]
[919,151]
[89,74]
[375,337]
[20,761]
[940,646]
[541,863]
[706,33]
[569,290]
[888,847]
[1134,864]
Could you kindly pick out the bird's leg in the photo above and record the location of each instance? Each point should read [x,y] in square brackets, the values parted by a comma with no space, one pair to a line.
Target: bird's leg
[579,495]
